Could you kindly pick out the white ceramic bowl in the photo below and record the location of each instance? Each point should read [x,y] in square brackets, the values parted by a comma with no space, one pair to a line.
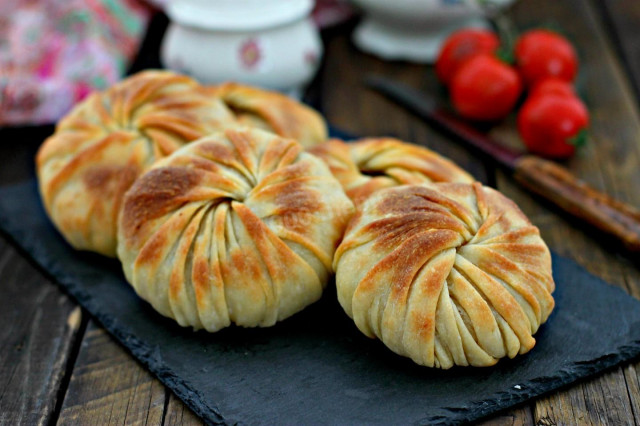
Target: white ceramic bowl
[414,30]
[267,43]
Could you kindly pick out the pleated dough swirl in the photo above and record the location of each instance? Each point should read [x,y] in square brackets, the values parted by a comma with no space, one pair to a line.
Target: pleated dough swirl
[238,227]
[107,140]
[368,165]
[446,274]
[274,112]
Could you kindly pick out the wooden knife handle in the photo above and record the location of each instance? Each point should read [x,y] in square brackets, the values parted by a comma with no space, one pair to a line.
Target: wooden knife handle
[558,185]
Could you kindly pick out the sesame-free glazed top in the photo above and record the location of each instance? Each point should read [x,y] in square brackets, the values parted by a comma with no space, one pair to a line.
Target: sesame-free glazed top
[273,111]
[446,274]
[107,140]
[367,165]
[238,227]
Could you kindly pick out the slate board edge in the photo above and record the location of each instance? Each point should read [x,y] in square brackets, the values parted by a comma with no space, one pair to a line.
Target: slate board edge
[132,344]
[580,371]
[475,410]
[211,414]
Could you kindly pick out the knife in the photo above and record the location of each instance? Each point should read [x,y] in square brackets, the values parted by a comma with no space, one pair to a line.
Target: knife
[543,177]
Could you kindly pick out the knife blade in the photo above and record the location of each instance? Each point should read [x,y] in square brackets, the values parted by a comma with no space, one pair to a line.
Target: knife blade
[543,177]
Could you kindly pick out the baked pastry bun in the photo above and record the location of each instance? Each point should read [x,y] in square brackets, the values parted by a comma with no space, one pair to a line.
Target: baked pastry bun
[274,112]
[107,140]
[367,165]
[446,274]
[238,227]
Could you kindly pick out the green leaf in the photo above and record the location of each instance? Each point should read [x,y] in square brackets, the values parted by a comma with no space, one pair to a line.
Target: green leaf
[580,139]
[507,34]
[506,55]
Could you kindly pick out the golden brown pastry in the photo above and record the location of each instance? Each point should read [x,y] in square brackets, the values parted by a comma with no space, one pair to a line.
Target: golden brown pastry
[238,227]
[446,274]
[274,112]
[367,165]
[106,141]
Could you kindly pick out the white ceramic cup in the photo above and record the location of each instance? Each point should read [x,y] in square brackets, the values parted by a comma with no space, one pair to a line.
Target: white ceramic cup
[267,43]
[414,30]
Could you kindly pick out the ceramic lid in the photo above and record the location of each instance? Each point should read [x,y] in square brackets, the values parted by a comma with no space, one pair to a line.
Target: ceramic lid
[237,15]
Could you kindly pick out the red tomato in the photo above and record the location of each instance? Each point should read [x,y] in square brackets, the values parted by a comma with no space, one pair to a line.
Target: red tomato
[485,88]
[461,46]
[542,53]
[552,86]
[552,125]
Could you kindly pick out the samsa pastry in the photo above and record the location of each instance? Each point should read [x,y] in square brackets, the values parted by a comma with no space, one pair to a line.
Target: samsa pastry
[368,165]
[239,227]
[106,141]
[274,112]
[446,274]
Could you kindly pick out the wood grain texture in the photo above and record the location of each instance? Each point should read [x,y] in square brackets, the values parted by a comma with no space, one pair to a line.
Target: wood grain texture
[601,401]
[178,414]
[623,17]
[520,416]
[609,163]
[38,333]
[108,387]
[633,388]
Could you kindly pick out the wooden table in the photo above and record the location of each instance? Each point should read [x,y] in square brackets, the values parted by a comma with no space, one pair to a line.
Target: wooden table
[58,366]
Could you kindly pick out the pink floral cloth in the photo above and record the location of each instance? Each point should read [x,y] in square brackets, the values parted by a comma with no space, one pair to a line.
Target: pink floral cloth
[55,52]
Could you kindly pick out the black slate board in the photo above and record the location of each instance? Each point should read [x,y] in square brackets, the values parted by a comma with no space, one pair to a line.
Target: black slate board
[316,367]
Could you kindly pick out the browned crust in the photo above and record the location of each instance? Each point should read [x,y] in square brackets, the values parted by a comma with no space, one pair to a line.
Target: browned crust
[368,165]
[112,136]
[155,194]
[279,113]
[242,219]
[498,269]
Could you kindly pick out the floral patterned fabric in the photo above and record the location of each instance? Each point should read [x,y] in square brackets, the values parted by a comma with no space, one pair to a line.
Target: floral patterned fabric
[55,52]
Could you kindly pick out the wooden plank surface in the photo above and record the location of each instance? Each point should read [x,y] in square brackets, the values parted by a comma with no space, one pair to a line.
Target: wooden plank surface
[622,18]
[109,387]
[520,416]
[38,335]
[610,163]
[106,385]
[178,414]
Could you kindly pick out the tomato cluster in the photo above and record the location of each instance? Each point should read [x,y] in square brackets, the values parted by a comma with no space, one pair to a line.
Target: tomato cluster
[483,87]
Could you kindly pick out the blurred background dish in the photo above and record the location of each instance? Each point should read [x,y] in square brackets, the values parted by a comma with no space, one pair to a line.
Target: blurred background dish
[414,30]
[269,43]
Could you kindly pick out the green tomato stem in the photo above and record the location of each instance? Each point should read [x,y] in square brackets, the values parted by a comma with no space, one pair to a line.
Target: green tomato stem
[580,138]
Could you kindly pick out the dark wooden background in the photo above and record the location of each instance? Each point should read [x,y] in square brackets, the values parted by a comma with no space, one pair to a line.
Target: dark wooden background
[58,366]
